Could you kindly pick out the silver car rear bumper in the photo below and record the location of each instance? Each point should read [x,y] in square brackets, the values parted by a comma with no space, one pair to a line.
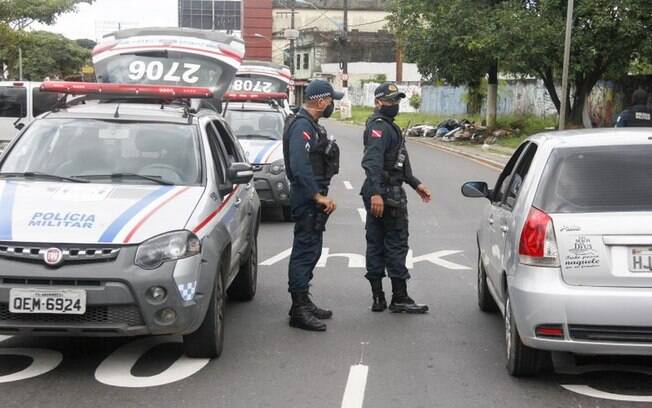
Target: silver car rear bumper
[596,320]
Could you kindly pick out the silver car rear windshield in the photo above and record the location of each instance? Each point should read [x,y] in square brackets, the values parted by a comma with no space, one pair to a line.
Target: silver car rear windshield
[597,179]
[256,124]
[86,148]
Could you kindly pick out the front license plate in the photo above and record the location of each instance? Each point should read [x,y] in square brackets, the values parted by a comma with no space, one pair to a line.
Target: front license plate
[56,301]
[640,260]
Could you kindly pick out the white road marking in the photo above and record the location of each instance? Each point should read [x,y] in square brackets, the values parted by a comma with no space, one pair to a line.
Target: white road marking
[358,260]
[592,392]
[115,370]
[348,185]
[355,387]
[43,361]
[363,214]
[3,338]
[276,258]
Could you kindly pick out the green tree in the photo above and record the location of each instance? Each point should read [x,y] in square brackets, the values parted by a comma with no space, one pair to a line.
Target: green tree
[16,15]
[52,55]
[607,37]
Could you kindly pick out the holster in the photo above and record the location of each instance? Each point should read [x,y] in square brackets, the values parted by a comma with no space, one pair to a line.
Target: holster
[395,214]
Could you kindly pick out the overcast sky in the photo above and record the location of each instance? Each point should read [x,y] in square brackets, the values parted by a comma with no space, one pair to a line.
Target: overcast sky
[95,20]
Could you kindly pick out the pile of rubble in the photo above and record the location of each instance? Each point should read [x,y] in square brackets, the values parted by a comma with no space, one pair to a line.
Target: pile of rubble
[463,130]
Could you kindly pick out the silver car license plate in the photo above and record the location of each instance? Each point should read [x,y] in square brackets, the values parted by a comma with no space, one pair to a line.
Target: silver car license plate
[640,259]
[55,301]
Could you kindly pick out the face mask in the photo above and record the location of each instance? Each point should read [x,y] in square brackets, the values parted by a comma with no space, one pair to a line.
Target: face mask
[389,111]
[329,110]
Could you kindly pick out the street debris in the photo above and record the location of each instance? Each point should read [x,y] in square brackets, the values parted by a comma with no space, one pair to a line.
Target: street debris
[453,130]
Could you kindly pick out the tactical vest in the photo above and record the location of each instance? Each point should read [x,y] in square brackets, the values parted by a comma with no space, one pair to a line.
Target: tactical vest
[641,116]
[324,156]
[394,159]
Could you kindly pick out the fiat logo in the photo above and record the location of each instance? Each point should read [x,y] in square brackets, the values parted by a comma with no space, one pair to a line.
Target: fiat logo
[53,256]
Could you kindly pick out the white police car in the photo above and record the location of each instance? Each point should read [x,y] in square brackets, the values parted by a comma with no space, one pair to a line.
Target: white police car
[127,212]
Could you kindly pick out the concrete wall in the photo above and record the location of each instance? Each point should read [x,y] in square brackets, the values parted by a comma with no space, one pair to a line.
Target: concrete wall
[329,20]
[363,95]
[364,71]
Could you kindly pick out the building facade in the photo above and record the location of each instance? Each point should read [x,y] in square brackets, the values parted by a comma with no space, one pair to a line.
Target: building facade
[250,19]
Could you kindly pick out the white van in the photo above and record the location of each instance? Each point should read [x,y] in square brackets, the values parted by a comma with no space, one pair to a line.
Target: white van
[20,102]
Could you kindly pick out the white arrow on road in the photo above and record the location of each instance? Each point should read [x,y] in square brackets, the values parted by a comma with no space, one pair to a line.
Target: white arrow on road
[357,261]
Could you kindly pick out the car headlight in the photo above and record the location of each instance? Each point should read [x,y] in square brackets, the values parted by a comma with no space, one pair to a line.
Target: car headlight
[167,247]
[277,167]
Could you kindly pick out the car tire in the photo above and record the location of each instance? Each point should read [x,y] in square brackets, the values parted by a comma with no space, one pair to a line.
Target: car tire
[486,302]
[287,213]
[522,361]
[208,340]
[243,287]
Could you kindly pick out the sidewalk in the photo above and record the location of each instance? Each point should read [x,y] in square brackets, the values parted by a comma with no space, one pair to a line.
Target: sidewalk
[491,155]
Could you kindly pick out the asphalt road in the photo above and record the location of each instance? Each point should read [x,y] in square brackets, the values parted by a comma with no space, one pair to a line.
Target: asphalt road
[451,357]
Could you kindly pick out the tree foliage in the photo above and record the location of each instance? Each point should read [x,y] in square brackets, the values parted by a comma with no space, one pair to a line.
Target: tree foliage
[455,40]
[44,54]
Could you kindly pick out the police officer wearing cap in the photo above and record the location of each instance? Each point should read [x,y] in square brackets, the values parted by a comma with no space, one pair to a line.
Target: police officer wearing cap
[639,115]
[387,166]
[311,160]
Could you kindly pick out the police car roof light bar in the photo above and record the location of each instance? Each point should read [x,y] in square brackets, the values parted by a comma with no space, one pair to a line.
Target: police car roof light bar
[143,90]
[254,96]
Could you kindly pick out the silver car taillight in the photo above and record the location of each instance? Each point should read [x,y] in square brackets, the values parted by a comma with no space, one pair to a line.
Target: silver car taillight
[538,246]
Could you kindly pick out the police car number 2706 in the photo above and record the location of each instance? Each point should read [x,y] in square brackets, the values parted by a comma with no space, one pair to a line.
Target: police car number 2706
[57,301]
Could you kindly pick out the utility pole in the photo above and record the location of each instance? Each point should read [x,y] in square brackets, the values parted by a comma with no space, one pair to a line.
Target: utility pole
[292,5]
[345,48]
[20,64]
[564,80]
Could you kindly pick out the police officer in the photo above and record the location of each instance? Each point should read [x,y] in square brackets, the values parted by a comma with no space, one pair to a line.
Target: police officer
[639,115]
[311,159]
[387,166]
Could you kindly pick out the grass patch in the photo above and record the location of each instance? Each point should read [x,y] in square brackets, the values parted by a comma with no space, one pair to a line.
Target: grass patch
[528,125]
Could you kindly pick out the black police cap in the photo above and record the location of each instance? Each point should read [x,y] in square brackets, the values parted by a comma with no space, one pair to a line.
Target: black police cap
[388,92]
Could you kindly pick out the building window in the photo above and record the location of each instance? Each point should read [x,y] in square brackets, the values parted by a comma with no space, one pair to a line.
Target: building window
[210,15]
[306,61]
[298,61]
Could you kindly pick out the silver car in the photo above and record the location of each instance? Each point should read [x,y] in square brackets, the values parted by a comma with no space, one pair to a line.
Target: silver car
[565,246]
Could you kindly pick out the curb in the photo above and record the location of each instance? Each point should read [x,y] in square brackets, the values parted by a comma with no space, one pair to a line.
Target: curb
[476,157]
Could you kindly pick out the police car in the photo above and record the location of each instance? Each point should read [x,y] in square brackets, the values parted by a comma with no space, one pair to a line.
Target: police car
[258,119]
[127,212]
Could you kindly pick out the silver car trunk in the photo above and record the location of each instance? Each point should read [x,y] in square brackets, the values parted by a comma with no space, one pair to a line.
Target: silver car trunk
[605,249]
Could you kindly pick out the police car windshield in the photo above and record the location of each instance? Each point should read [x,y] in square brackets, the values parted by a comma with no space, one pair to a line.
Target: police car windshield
[256,124]
[83,148]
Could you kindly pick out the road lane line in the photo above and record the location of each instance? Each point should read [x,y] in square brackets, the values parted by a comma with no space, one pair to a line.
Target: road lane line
[348,185]
[363,214]
[276,258]
[355,387]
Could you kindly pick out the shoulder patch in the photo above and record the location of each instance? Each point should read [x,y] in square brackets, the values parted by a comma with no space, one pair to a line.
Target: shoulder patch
[376,133]
[306,135]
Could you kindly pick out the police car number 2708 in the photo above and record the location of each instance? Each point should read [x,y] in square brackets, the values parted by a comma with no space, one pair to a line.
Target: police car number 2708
[58,301]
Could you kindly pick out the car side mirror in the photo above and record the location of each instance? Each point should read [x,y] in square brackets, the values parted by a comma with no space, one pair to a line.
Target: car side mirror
[240,173]
[475,189]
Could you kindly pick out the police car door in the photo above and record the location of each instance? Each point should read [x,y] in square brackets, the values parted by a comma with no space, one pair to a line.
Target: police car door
[244,194]
[230,219]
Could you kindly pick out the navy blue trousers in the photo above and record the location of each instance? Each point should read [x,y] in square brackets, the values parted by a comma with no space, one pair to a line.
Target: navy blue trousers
[387,247]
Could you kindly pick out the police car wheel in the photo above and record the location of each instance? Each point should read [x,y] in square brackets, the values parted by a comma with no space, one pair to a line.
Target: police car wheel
[243,287]
[208,340]
[486,302]
[287,213]
[522,361]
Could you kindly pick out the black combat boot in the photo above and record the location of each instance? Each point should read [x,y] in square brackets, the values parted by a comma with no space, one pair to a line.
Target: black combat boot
[380,303]
[319,313]
[401,302]
[300,315]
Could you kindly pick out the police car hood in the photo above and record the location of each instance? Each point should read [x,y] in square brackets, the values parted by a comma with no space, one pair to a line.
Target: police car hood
[262,151]
[43,212]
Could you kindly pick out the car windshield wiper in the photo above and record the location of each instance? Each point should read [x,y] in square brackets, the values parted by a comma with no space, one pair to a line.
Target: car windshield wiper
[36,174]
[266,137]
[154,179]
